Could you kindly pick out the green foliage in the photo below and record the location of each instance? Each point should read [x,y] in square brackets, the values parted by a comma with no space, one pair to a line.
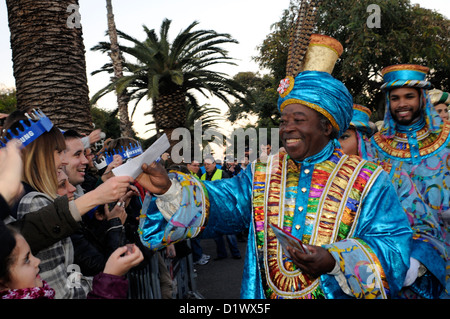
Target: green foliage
[8,101]
[261,97]
[208,115]
[408,34]
[107,121]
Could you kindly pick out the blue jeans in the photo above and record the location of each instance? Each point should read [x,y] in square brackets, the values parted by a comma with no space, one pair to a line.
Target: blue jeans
[232,245]
[197,250]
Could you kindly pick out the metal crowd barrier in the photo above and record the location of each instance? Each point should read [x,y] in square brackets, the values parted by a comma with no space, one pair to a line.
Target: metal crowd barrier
[145,282]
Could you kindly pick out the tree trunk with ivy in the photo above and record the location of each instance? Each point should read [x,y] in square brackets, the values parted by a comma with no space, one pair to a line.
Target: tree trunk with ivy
[116,57]
[49,61]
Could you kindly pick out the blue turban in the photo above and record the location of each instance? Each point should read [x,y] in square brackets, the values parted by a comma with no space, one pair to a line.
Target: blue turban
[361,118]
[360,121]
[322,93]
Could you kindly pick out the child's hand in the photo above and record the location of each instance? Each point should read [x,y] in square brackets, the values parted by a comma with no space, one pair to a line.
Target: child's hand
[123,259]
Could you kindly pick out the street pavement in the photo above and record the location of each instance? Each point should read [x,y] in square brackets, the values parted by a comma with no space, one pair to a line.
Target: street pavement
[220,279]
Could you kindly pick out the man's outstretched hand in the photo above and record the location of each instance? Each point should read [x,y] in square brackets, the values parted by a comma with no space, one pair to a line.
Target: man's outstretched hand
[154,178]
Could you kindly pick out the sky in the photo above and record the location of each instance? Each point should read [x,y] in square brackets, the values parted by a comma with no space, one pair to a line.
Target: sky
[248,21]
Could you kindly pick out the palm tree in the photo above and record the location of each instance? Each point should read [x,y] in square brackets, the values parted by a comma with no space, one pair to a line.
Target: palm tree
[208,117]
[117,60]
[169,73]
[49,61]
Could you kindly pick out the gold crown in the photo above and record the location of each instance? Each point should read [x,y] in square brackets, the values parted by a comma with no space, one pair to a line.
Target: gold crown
[400,67]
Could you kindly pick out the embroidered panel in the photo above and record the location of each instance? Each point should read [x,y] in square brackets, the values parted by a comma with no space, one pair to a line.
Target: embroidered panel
[330,215]
[428,143]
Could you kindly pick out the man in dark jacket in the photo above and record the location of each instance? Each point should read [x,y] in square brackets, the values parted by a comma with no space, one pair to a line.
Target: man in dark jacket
[213,173]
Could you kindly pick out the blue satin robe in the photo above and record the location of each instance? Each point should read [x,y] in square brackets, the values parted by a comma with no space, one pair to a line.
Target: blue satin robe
[381,232]
[425,167]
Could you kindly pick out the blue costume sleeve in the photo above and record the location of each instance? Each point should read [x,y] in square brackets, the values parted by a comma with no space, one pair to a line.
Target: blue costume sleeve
[375,260]
[229,200]
[230,204]
[428,245]
[187,221]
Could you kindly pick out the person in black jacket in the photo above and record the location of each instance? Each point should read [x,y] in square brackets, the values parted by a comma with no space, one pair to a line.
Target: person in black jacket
[20,279]
[10,188]
[110,226]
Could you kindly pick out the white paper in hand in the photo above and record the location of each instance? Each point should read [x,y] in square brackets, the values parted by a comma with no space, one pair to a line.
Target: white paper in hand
[133,166]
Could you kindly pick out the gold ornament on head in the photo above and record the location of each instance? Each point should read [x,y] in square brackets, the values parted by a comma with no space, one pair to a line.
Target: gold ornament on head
[308,52]
[286,86]
[322,54]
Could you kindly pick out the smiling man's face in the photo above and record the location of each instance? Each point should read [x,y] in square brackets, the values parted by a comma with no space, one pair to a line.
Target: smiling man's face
[76,160]
[301,132]
[405,105]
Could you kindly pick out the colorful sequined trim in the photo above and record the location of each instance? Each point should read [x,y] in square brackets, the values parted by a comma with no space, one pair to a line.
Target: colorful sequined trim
[398,146]
[331,211]
[280,277]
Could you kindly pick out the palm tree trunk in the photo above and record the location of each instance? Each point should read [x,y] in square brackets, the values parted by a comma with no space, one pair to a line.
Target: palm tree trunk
[169,113]
[49,61]
[169,110]
[117,59]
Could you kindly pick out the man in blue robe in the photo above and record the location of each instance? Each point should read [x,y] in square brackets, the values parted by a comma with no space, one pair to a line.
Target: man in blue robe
[426,276]
[344,209]
[415,140]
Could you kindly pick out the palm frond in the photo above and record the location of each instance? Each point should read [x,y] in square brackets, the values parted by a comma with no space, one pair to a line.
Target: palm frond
[155,66]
